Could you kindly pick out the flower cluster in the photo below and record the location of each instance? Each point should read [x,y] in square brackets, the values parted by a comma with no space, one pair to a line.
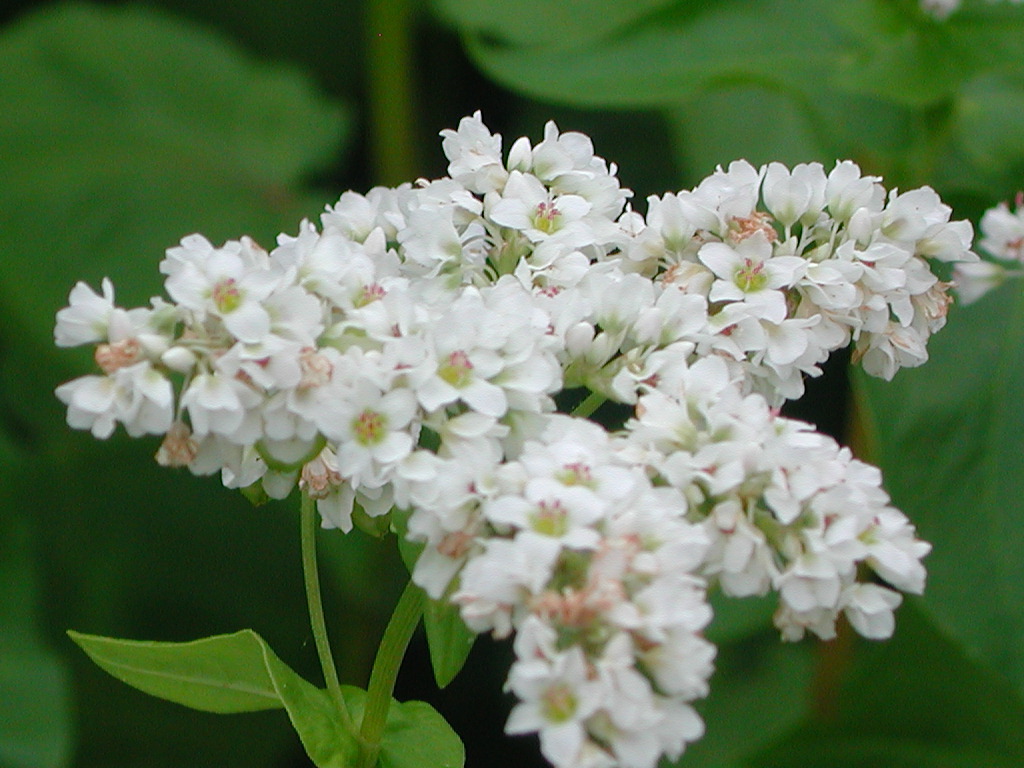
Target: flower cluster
[784,507]
[571,545]
[1002,238]
[405,354]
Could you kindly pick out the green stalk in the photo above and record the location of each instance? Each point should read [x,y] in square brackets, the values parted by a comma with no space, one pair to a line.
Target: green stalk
[385,671]
[390,91]
[316,611]
[592,402]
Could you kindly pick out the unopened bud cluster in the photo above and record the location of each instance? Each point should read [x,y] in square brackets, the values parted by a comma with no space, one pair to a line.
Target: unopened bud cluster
[406,354]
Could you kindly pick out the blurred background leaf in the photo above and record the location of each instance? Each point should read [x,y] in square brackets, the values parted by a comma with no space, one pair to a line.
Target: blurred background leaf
[948,438]
[36,724]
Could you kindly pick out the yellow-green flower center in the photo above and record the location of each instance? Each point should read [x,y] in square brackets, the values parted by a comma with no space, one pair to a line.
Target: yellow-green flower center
[456,370]
[549,519]
[750,276]
[576,473]
[226,296]
[368,294]
[547,217]
[558,703]
[369,427]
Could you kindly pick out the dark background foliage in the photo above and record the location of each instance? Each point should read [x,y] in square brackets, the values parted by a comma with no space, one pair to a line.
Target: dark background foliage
[127,126]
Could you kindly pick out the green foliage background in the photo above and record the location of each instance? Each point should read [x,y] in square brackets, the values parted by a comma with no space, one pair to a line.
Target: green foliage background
[124,127]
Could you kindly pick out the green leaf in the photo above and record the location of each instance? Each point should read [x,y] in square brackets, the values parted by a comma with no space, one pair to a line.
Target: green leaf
[759,690]
[226,674]
[124,130]
[415,736]
[669,56]
[912,702]
[990,122]
[223,674]
[948,437]
[35,716]
[901,54]
[448,638]
[714,129]
[541,22]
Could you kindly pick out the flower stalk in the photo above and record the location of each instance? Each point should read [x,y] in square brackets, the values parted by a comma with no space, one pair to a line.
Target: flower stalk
[311,575]
[385,671]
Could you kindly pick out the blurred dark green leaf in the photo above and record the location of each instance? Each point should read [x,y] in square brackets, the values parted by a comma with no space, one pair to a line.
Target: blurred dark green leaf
[667,56]
[716,128]
[990,122]
[35,705]
[897,52]
[914,701]
[948,439]
[542,22]
[759,692]
[124,130]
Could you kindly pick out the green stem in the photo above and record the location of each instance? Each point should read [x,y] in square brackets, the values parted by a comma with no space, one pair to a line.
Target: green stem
[390,90]
[385,670]
[592,402]
[316,611]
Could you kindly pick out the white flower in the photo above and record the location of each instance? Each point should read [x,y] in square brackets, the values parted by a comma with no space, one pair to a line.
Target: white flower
[229,282]
[747,272]
[222,406]
[846,191]
[87,318]
[869,608]
[1003,232]
[137,396]
[972,281]
[372,431]
[795,195]
[474,154]
[556,697]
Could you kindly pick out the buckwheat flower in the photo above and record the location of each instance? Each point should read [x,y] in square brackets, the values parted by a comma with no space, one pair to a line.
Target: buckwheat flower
[846,191]
[436,243]
[353,217]
[137,396]
[527,206]
[88,317]
[566,162]
[556,697]
[869,607]
[371,430]
[496,584]
[792,196]
[883,354]
[230,282]
[1003,231]
[474,155]
[732,193]
[972,281]
[749,273]
[222,405]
